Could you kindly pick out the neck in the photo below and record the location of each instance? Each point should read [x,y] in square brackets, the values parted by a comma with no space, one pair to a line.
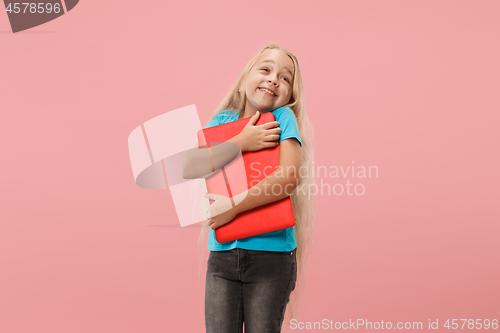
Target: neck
[248,111]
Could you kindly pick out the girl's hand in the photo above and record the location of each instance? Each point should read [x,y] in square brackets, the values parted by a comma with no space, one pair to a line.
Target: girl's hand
[253,138]
[221,211]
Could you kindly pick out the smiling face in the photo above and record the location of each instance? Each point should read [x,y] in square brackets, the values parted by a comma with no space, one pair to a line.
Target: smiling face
[269,82]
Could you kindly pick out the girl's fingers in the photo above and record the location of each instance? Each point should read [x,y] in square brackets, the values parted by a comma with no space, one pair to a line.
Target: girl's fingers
[254,118]
[270,144]
[270,124]
[273,137]
[273,131]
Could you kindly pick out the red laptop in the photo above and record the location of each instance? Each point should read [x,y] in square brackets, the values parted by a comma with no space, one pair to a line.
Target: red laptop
[270,217]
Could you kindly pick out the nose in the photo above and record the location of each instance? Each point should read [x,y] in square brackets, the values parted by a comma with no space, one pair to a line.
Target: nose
[273,81]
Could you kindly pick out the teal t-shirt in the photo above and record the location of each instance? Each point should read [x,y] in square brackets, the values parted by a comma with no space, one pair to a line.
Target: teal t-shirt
[280,240]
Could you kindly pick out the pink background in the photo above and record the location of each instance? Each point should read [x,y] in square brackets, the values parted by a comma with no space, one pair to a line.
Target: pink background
[410,87]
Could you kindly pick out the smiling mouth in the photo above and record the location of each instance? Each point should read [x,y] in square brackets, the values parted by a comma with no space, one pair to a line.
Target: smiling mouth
[267,93]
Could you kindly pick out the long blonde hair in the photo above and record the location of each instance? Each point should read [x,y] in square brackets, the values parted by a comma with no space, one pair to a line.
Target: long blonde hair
[304,203]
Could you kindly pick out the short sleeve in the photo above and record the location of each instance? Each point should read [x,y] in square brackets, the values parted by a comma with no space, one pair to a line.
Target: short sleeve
[223,117]
[288,124]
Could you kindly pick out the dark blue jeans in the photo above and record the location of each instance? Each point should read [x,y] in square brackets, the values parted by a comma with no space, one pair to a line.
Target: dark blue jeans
[247,286]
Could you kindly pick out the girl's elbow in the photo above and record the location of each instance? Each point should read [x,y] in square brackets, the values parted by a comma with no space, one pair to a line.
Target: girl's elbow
[185,174]
[186,170]
[293,177]
[292,184]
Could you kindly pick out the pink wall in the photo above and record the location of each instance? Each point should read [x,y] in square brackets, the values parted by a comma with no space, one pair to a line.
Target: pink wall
[409,87]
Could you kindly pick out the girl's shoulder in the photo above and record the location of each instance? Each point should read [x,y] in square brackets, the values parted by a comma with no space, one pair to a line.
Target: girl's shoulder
[228,112]
[285,111]
[226,116]
[223,117]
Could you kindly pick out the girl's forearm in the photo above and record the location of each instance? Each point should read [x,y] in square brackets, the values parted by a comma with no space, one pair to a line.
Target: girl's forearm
[197,162]
[274,187]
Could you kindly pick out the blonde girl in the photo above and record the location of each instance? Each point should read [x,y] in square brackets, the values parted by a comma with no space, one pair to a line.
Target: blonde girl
[250,281]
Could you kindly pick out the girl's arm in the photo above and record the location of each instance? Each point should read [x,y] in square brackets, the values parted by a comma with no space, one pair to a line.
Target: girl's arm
[282,181]
[197,162]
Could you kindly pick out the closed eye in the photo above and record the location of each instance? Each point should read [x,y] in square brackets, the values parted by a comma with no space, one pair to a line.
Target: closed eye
[267,70]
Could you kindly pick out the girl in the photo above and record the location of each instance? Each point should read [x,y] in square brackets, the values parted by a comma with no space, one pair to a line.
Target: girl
[250,280]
